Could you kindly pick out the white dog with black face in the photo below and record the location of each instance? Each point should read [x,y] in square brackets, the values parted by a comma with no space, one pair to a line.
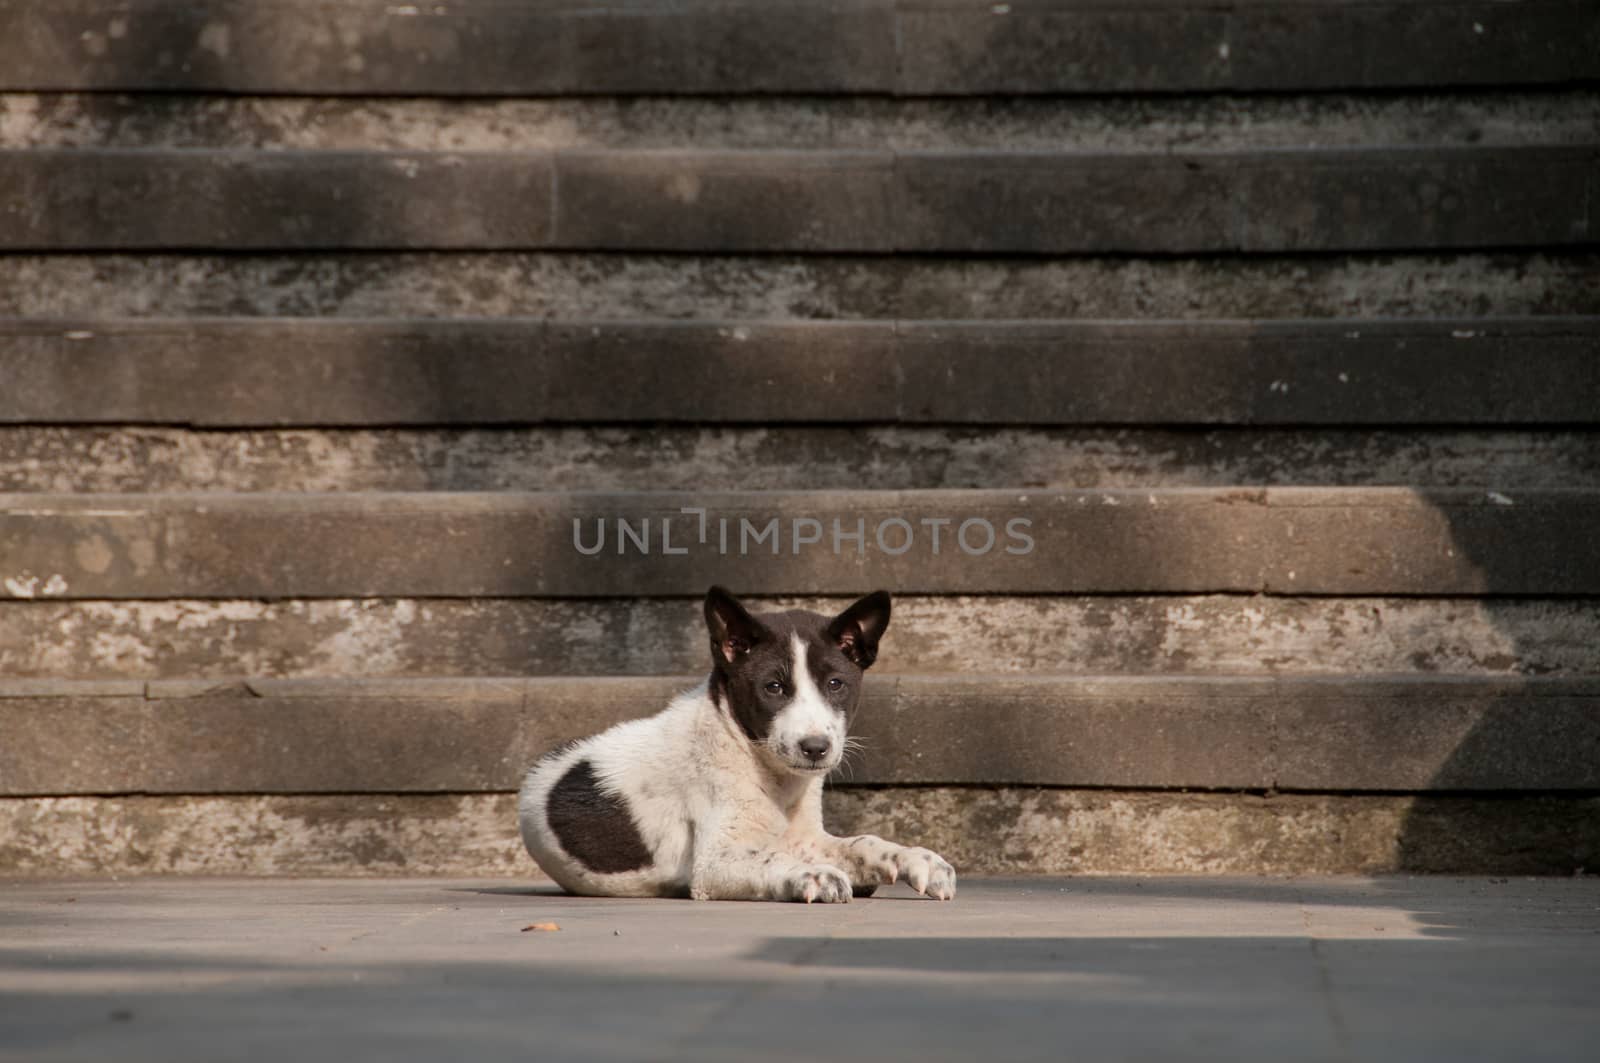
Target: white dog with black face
[719,795]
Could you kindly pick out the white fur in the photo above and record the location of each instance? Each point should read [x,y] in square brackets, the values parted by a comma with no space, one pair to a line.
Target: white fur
[722,821]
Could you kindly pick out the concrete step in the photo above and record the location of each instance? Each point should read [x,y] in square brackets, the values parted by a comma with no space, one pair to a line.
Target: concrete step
[1358,541]
[1502,117]
[850,201]
[243,372]
[1018,635]
[1303,733]
[776,288]
[101,459]
[997,831]
[913,47]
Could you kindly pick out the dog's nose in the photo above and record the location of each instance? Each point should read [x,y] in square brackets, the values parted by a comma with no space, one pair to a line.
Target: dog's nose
[815,746]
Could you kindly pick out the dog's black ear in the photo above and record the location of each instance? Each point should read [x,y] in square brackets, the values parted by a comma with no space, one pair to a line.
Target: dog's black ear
[857,630]
[733,629]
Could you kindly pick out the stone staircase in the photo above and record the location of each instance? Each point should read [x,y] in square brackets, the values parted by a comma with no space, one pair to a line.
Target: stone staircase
[326,327]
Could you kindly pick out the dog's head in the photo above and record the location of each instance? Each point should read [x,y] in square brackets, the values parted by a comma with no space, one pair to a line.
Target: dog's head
[791,681]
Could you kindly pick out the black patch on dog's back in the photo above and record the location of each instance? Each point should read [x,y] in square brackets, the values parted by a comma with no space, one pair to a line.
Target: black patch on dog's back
[593,826]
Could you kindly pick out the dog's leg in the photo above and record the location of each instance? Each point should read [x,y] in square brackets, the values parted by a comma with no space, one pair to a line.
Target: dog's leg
[730,873]
[869,860]
[872,861]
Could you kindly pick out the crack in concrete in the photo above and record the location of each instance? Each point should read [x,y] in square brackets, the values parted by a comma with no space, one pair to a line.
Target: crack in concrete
[1325,990]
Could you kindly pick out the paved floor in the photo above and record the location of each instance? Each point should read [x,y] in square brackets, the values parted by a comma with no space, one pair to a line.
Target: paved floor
[1057,969]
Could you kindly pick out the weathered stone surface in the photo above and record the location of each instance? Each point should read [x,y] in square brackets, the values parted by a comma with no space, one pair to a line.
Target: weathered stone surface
[1046,203]
[1175,731]
[1328,740]
[371,834]
[725,201]
[919,47]
[1014,830]
[222,372]
[1475,42]
[1053,47]
[1370,548]
[769,287]
[1260,372]
[63,460]
[308,736]
[474,48]
[1160,732]
[76,687]
[1303,733]
[1505,116]
[253,200]
[1033,46]
[250,371]
[983,830]
[1275,540]
[1454,198]
[1273,202]
[991,634]
[696,200]
[1463,374]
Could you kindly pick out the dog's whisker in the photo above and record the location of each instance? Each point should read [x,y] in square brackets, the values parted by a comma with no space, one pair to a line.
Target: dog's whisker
[848,762]
[854,750]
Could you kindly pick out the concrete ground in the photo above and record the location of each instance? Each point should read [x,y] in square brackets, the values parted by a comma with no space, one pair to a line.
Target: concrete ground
[1091,968]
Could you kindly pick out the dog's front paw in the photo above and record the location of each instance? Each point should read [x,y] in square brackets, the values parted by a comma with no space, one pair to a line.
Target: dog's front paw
[817,882]
[926,872]
[872,863]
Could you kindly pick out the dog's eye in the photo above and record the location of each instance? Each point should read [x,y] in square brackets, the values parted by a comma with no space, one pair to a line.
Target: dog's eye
[774,687]
[836,683]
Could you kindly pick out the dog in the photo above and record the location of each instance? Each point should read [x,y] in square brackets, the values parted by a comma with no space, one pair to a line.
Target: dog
[719,795]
